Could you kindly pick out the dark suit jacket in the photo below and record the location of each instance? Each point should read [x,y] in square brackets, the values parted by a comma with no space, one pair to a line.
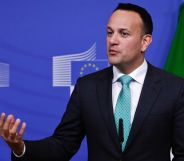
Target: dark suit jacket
[158,123]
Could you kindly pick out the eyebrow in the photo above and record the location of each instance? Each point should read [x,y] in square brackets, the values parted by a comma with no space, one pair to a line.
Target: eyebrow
[109,28]
[120,29]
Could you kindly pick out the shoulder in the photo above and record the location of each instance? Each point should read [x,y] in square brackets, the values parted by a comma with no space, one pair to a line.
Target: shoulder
[165,76]
[89,82]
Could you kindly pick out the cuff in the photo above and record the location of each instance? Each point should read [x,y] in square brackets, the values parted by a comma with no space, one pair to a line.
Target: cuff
[24,150]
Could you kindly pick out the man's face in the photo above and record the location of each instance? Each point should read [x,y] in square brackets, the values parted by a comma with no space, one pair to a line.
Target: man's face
[126,41]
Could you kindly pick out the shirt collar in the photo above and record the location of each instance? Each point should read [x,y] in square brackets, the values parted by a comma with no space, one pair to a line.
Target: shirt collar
[138,74]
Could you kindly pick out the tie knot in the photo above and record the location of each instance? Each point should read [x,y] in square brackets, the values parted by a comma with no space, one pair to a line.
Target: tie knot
[125,79]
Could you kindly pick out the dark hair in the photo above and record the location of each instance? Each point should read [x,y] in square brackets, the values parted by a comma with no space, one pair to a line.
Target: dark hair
[145,16]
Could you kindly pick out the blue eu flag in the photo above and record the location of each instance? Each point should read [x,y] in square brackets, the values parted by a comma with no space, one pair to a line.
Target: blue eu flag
[81,68]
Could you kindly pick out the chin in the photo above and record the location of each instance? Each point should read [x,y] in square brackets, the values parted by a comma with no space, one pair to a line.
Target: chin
[114,61]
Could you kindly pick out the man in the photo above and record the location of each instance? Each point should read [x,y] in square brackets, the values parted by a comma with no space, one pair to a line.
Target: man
[144,128]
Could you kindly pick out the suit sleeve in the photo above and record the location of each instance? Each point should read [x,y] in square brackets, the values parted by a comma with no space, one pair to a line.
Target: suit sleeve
[178,128]
[66,139]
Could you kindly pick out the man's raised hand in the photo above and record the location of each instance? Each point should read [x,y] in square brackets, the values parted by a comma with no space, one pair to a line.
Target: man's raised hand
[11,135]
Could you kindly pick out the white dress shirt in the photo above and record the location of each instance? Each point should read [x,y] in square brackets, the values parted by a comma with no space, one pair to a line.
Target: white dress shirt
[138,76]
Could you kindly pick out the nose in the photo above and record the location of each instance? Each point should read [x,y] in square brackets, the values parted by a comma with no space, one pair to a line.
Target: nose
[113,39]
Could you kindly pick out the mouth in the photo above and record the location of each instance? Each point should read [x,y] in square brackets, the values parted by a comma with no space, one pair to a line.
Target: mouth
[113,52]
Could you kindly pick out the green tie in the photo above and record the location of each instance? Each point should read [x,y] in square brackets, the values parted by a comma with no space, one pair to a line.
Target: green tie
[122,109]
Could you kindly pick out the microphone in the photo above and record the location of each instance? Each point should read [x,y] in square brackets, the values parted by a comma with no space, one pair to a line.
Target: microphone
[121,131]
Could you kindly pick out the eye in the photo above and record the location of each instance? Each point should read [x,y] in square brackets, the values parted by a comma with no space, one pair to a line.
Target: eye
[109,33]
[124,34]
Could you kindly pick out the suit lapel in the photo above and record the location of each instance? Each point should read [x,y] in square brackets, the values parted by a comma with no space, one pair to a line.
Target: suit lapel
[104,95]
[148,96]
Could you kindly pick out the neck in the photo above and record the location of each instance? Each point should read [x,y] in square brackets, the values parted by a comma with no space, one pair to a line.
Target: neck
[128,68]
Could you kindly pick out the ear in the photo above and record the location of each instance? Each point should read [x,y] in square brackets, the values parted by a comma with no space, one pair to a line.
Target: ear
[146,41]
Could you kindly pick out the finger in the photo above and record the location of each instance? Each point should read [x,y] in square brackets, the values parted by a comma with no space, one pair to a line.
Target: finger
[2,118]
[11,123]
[21,132]
[7,125]
[13,130]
